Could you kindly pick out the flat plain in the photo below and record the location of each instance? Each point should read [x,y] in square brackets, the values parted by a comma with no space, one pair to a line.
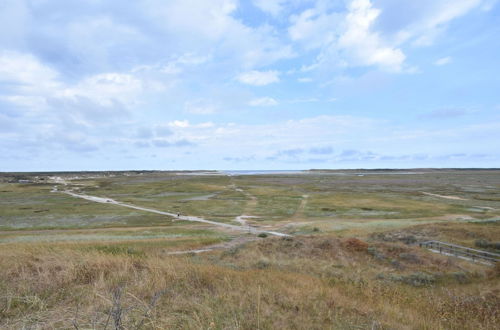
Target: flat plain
[349,257]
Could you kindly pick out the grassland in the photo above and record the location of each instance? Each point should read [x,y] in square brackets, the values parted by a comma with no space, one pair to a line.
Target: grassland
[350,263]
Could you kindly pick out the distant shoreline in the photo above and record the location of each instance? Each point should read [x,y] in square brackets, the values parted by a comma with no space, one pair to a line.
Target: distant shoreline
[253,172]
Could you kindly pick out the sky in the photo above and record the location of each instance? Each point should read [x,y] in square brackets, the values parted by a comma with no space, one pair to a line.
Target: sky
[250,84]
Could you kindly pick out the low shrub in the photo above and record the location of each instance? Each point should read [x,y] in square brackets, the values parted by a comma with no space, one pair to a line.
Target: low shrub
[461,277]
[410,257]
[396,264]
[355,244]
[481,243]
[263,263]
[375,253]
[495,272]
[418,279]
[484,244]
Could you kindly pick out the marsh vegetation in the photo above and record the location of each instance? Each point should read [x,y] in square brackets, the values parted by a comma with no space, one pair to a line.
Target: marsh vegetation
[351,261]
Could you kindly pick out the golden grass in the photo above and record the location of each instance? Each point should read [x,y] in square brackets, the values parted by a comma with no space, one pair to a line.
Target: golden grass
[302,283]
[385,205]
[123,277]
[462,233]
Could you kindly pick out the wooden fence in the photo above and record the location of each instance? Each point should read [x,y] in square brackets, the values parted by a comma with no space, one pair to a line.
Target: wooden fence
[461,252]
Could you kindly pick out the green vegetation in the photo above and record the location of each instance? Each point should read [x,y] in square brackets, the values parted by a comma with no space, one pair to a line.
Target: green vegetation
[352,260]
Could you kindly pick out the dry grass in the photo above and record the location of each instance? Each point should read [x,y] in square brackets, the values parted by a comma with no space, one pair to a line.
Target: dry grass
[355,272]
[302,283]
[463,233]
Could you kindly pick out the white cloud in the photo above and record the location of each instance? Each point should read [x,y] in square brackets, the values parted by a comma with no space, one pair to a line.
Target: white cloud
[345,39]
[200,107]
[31,79]
[263,102]
[309,100]
[58,81]
[346,136]
[210,26]
[207,124]
[211,19]
[314,28]
[373,32]
[78,37]
[106,88]
[171,68]
[273,7]
[259,78]
[26,73]
[192,59]
[228,137]
[362,44]
[47,105]
[443,61]
[175,64]
[179,123]
[427,19]
[445,11]
[186,124]
[179,64]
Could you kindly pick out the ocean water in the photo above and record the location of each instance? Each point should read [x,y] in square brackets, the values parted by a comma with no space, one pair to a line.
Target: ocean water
[261,172]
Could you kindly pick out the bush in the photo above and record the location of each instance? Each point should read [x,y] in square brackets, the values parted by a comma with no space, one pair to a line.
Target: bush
[262,235]
[231,252]
[481,243]
[396,264]
[410,257]
[484,244]
[408,240]
[263,263]
[116,250]
[495,272]
[461,277]
[375,253]
[416,279]
[419,279]
[355,244]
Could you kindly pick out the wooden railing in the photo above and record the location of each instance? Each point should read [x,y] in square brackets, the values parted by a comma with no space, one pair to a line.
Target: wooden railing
[461,251]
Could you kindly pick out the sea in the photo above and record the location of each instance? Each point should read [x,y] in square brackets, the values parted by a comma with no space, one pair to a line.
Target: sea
[260,172]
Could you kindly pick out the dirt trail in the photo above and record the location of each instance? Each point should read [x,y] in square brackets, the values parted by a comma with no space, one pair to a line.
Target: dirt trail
[242,219]
[444,196]
[221,246]
[300,210]
[252,200]
[249,207]
[173,215]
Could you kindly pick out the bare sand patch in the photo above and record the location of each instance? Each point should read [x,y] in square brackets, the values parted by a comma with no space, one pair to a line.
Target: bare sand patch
[444,196]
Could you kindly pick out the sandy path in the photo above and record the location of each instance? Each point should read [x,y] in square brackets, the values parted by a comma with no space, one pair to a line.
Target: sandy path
[222,246]
[173,215]
[300,210]
[444,196]
[242,219]
[249,207]
[252,200]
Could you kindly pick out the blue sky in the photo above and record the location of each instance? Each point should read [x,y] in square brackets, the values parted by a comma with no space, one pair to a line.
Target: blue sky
[256,84]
